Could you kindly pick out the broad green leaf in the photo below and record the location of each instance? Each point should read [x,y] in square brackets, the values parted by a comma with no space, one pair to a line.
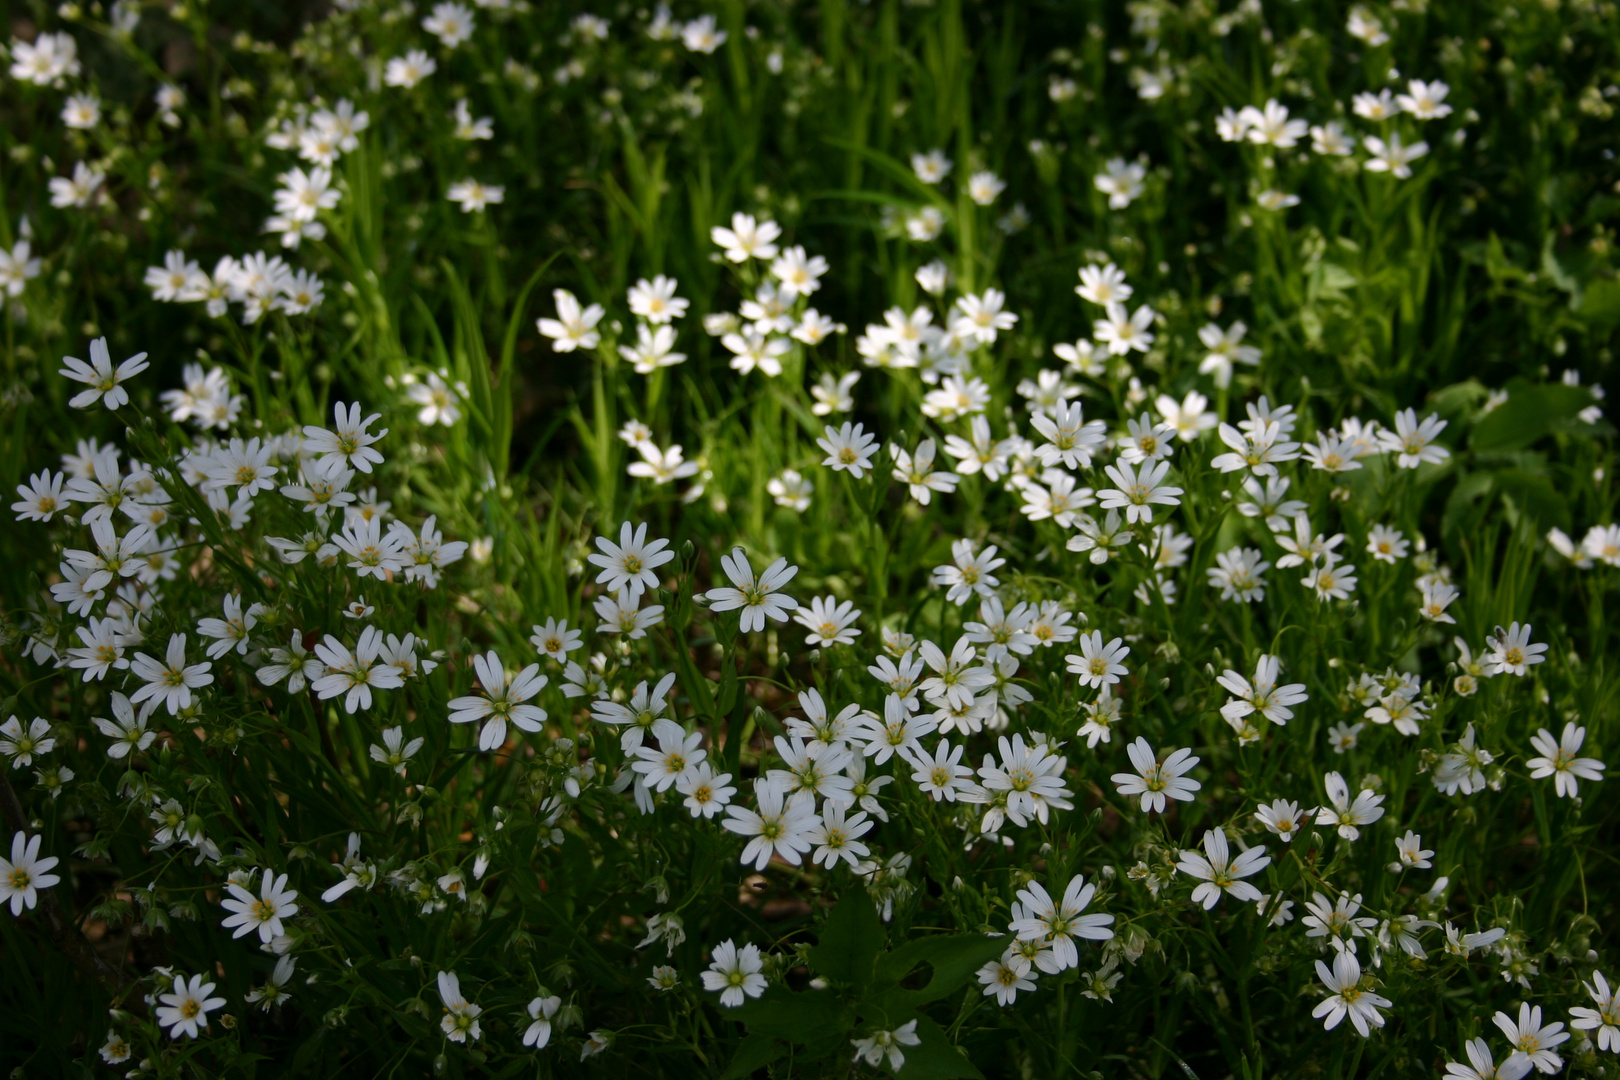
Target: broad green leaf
[799,1018]
[953,957]
[1600,305]
[1528,415]
[755,1052]
[935,1058]
[850,941]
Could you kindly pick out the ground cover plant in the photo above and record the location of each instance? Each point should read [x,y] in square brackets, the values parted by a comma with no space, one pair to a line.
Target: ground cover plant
[808,539]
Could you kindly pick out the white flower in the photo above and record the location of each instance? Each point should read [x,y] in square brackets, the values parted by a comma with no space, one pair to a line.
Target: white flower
[829,622]
[1600,544]
[941,776]
[129,732]
[1370,106]
[1004,978]
[983,188]
[1530,1040]
[467,128]
[1414,442]
[1258,449]
[1225,348]
[1559,760]
[1263,695]
[781,827]
[931,167]
[41,497]
[1345,996]
[1070,441]
[979,317]
[46,61]
[1330,579]
[574,327]
[504,699]
[473,196]
[1483,1067]
[355,673]
[799,273]
[706,794]
[1281,818]
[103,379]
[1121,332]
[395,752]
[1512,652]
[1153,781]
[80,190]
[1270,125]
[1058,923]
[736,974]
[656,301]
[673,760]
[541,1010]
[25,873]
[460,1020]
[1220,872]
[836,837]
[439,400]
[262,913]
[630,563]
[184,1010]
[1100,538]
[1437,596]
[747,239]
[1426,101]
[917,471]
[231,632]
[1122,183]
[351,441]
[1137,488]
[1344,813]
[848,449]
[1187,416]
[1411,851]
[1103,284]
[408,70]
[662,466]
[450,23]
[969,572]
[172,680]
[1605,1018]
[1098,664]
[880,1044]
[756,596]
[641,716]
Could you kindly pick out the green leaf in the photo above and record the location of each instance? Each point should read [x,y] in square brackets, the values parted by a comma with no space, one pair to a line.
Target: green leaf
[954,958]
[796,1017]
[1600,305]
[755,1052]
[1463,507]
[850,941]
[1530,414]
[1532,494]
[935,1058]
